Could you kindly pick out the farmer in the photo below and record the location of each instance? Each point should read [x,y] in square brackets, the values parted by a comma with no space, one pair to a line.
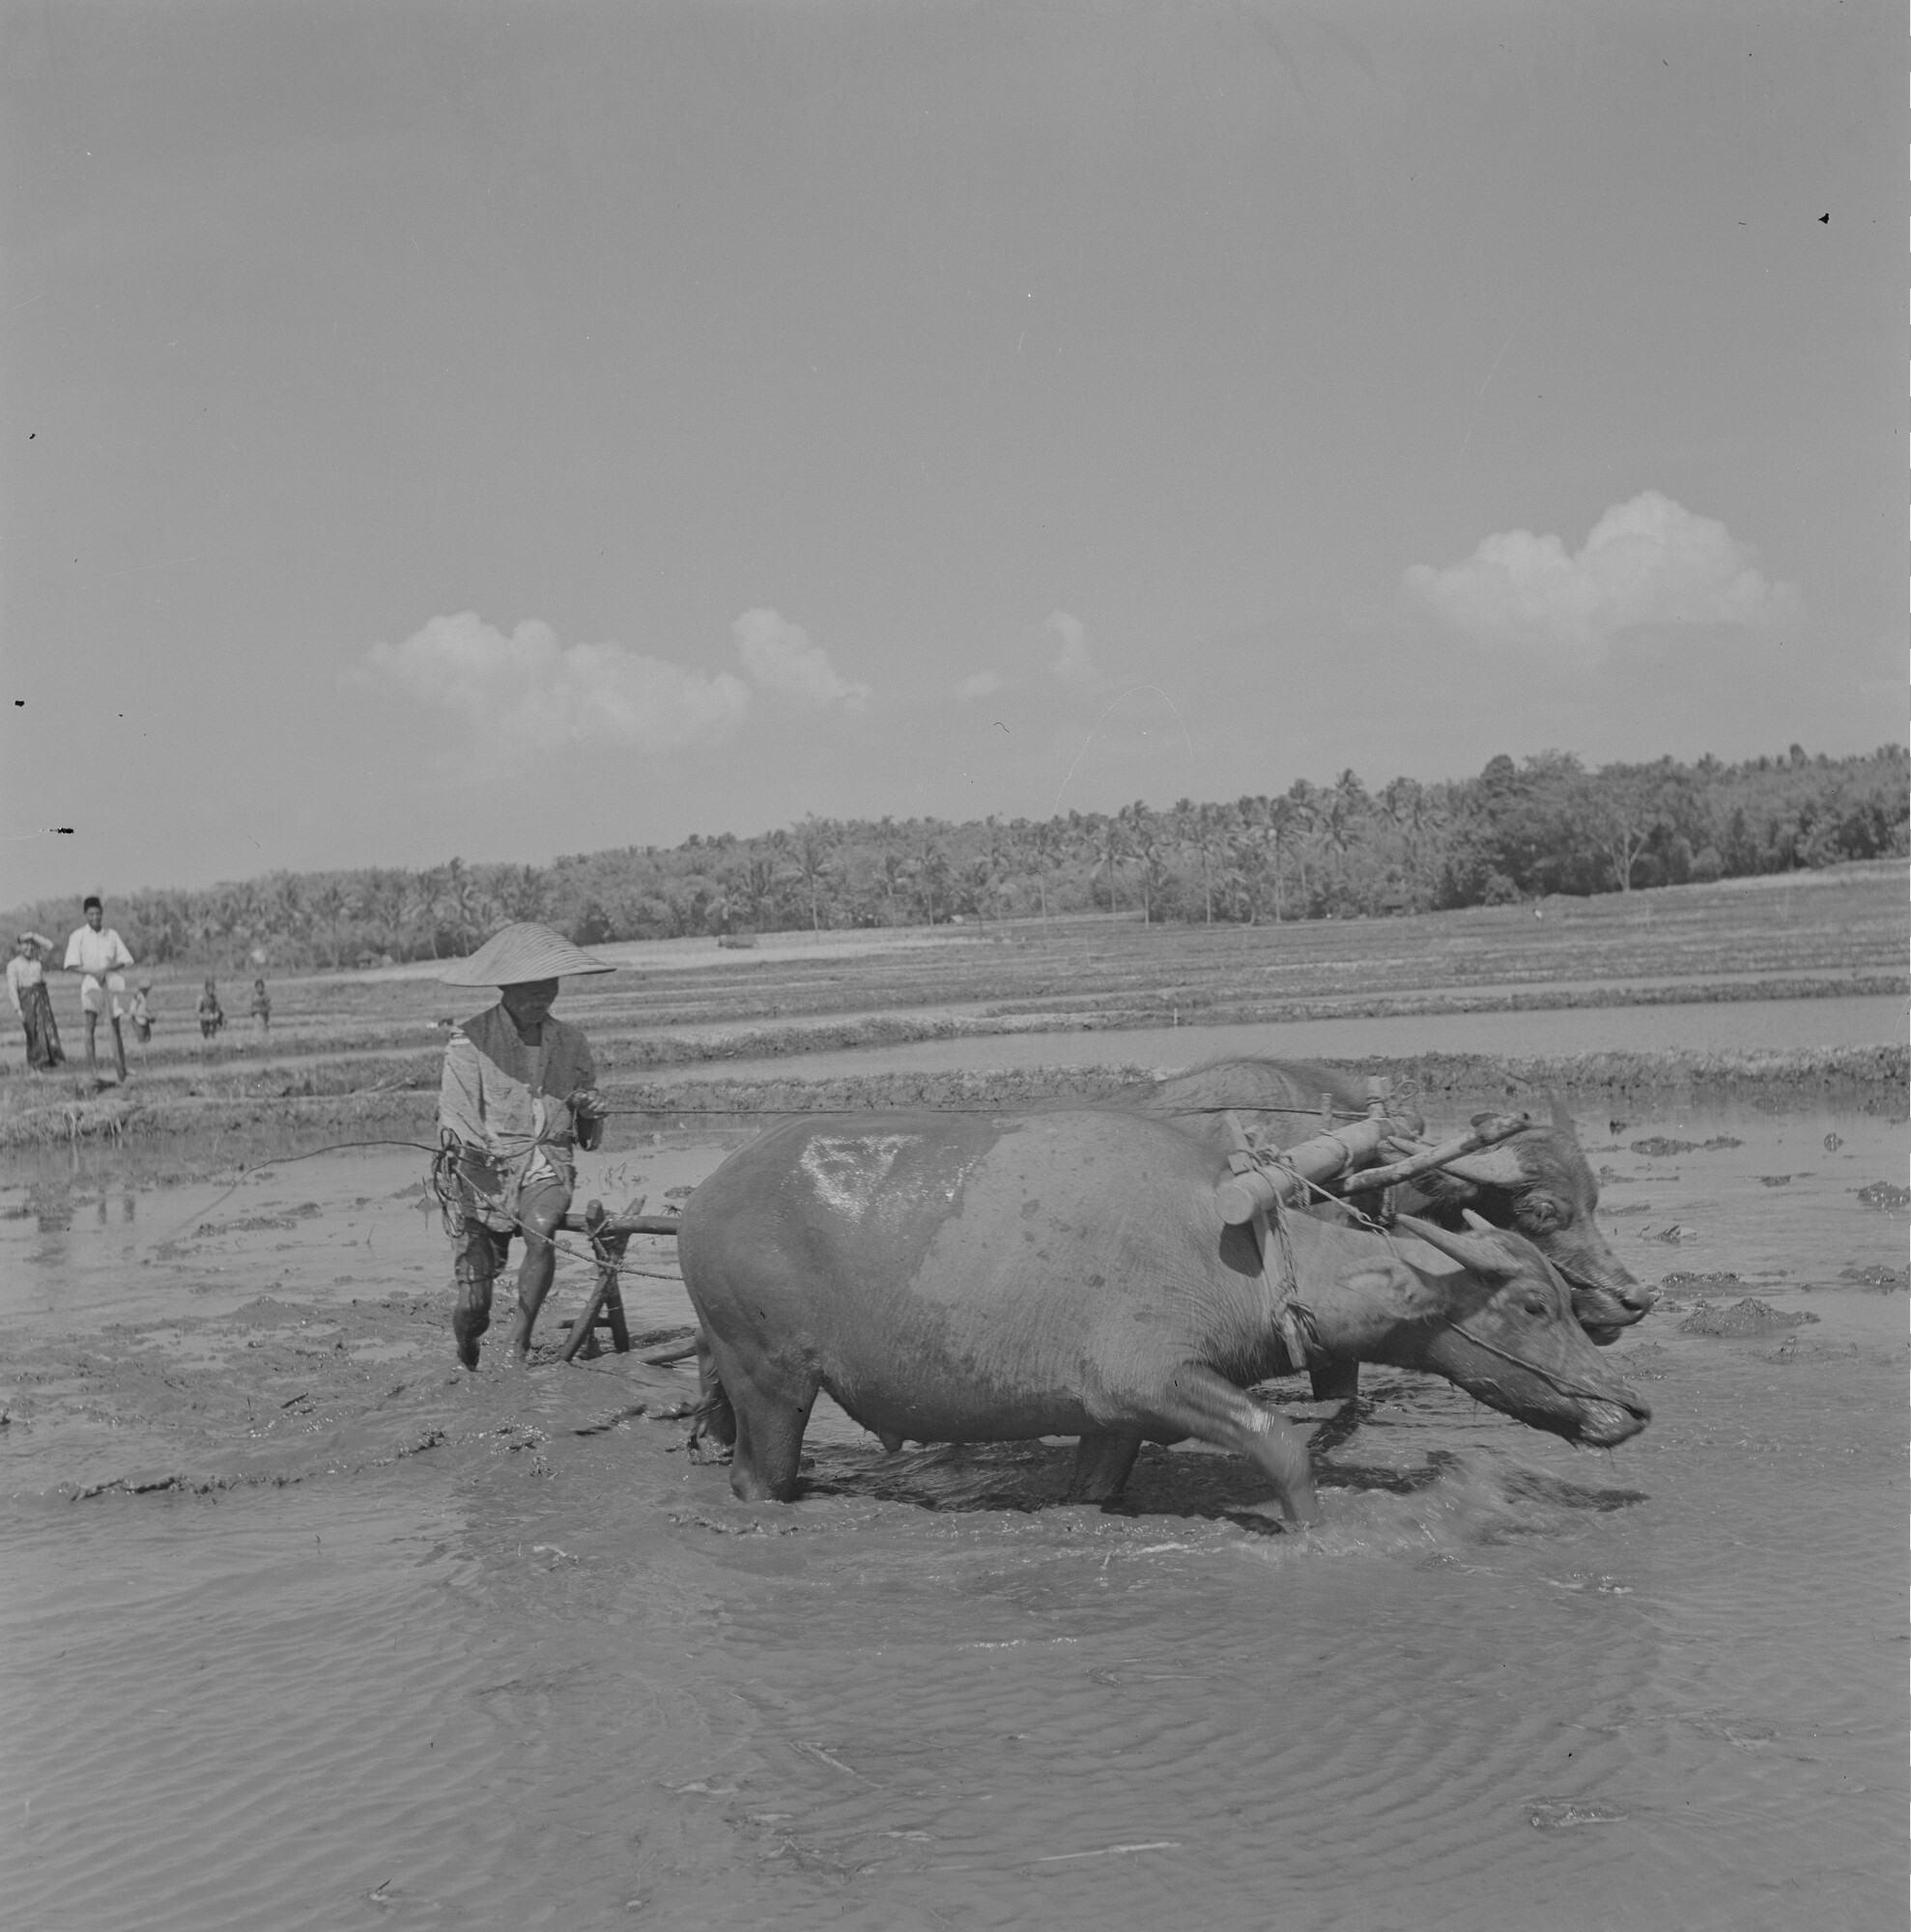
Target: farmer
[519,1092]
[26,988]
[98,953]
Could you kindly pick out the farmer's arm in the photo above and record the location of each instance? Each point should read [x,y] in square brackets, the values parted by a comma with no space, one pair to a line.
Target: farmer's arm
[585,1102]
[461,1094]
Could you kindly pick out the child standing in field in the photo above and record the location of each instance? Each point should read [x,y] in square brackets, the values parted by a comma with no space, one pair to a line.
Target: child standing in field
[211,1015]
[141,1014]
[262,1011]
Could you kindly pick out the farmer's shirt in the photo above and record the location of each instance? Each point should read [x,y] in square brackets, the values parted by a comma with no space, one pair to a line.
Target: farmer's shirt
[508,1100]
[22,972]
[97,955]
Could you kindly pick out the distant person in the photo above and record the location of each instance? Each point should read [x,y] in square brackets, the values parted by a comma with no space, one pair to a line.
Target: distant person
[26,988]
[141,1014]
[97,951]
[518,1096]
[211,1015]
[262,1011]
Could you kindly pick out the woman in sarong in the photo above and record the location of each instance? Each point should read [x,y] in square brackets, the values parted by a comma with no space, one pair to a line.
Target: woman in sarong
[26,988]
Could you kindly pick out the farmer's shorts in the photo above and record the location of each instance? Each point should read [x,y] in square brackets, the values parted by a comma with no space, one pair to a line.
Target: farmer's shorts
[482,1250]
[93,995]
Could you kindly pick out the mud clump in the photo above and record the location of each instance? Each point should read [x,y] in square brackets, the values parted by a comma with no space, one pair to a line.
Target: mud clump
[1748,1317]
[1657,1147]
[1878,1277]
[1682,1278]
[1884,1194]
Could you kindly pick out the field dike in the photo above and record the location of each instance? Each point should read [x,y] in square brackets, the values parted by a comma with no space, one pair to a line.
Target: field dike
[1873,1078]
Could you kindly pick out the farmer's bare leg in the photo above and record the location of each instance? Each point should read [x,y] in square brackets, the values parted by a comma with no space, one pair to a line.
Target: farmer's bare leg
[118,1047]
[480,1254]
[540,1209]
[92,1027]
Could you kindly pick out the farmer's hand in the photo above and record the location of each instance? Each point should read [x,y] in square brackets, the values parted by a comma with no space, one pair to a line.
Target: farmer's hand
[588,1100]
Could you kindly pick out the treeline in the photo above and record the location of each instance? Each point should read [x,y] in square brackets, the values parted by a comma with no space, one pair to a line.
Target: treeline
[1517,831]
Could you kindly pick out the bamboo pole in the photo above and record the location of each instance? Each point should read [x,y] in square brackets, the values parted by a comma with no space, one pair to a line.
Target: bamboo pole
[1502,1127]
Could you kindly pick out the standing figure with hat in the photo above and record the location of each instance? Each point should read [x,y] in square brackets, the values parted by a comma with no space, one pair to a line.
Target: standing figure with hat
[517,1097]
[26,988]
[98,954]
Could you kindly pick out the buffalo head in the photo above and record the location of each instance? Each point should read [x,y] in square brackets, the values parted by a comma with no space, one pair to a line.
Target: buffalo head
[1539,1184]
[1508,1336]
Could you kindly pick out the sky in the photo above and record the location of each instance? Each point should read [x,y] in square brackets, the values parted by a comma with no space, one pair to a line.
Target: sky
[509,431]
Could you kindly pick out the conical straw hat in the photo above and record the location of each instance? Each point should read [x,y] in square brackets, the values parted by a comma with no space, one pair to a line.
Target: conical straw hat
[519,954]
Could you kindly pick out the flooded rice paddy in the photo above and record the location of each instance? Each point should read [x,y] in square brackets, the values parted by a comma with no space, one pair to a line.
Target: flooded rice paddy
[305,1628]
[1730,1027]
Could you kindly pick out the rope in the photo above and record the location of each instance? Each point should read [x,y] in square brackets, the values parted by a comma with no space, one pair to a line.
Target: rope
[1564,1387]
[1007,1106]
[438,1153]
[281,1160]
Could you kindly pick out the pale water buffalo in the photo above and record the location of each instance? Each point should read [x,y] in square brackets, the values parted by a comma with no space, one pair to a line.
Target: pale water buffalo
[1538,1183]
[994,1277]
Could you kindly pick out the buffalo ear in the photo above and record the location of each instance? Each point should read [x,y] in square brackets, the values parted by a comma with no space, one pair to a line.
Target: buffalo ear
[1563,1117]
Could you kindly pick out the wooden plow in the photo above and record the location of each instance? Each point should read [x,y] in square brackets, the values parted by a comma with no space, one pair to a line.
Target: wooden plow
[609,1236]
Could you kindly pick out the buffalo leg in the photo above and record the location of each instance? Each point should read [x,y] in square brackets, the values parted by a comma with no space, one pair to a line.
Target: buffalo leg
[713,1416]
[1102,1464]
[1334,1382]
[1199,1403]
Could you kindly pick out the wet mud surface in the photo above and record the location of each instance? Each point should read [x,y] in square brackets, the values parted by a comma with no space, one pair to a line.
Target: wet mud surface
[308,1627]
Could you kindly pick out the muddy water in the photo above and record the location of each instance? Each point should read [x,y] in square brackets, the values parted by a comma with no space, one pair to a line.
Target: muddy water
[1742,1026]
[303,1628]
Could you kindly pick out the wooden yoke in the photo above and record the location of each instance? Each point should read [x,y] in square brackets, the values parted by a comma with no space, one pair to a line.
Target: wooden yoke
[1423,1160]
[1262,1176]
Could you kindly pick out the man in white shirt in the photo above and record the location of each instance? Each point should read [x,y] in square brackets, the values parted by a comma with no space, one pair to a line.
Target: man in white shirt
[98,953]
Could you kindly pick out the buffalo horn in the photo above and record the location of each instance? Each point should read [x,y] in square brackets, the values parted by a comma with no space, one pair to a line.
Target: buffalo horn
[1562,1115]
[1485,1258]
[1492,1167]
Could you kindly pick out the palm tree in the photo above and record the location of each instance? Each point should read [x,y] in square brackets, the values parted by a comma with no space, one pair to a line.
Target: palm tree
[1144,845]
[1106,847]
[814,841]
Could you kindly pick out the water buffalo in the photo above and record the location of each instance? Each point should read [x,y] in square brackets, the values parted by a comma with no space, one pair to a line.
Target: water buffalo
[993,1277]
[1537,1184]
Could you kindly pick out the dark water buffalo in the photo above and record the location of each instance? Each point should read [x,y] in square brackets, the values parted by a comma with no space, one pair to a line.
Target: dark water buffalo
[1537,1184]
[968,1278]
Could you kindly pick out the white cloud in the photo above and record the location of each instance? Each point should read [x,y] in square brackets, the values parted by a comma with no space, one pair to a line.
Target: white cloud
[982,684]
[1648,561]
[1072,665]
[526,693]
[779,656]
